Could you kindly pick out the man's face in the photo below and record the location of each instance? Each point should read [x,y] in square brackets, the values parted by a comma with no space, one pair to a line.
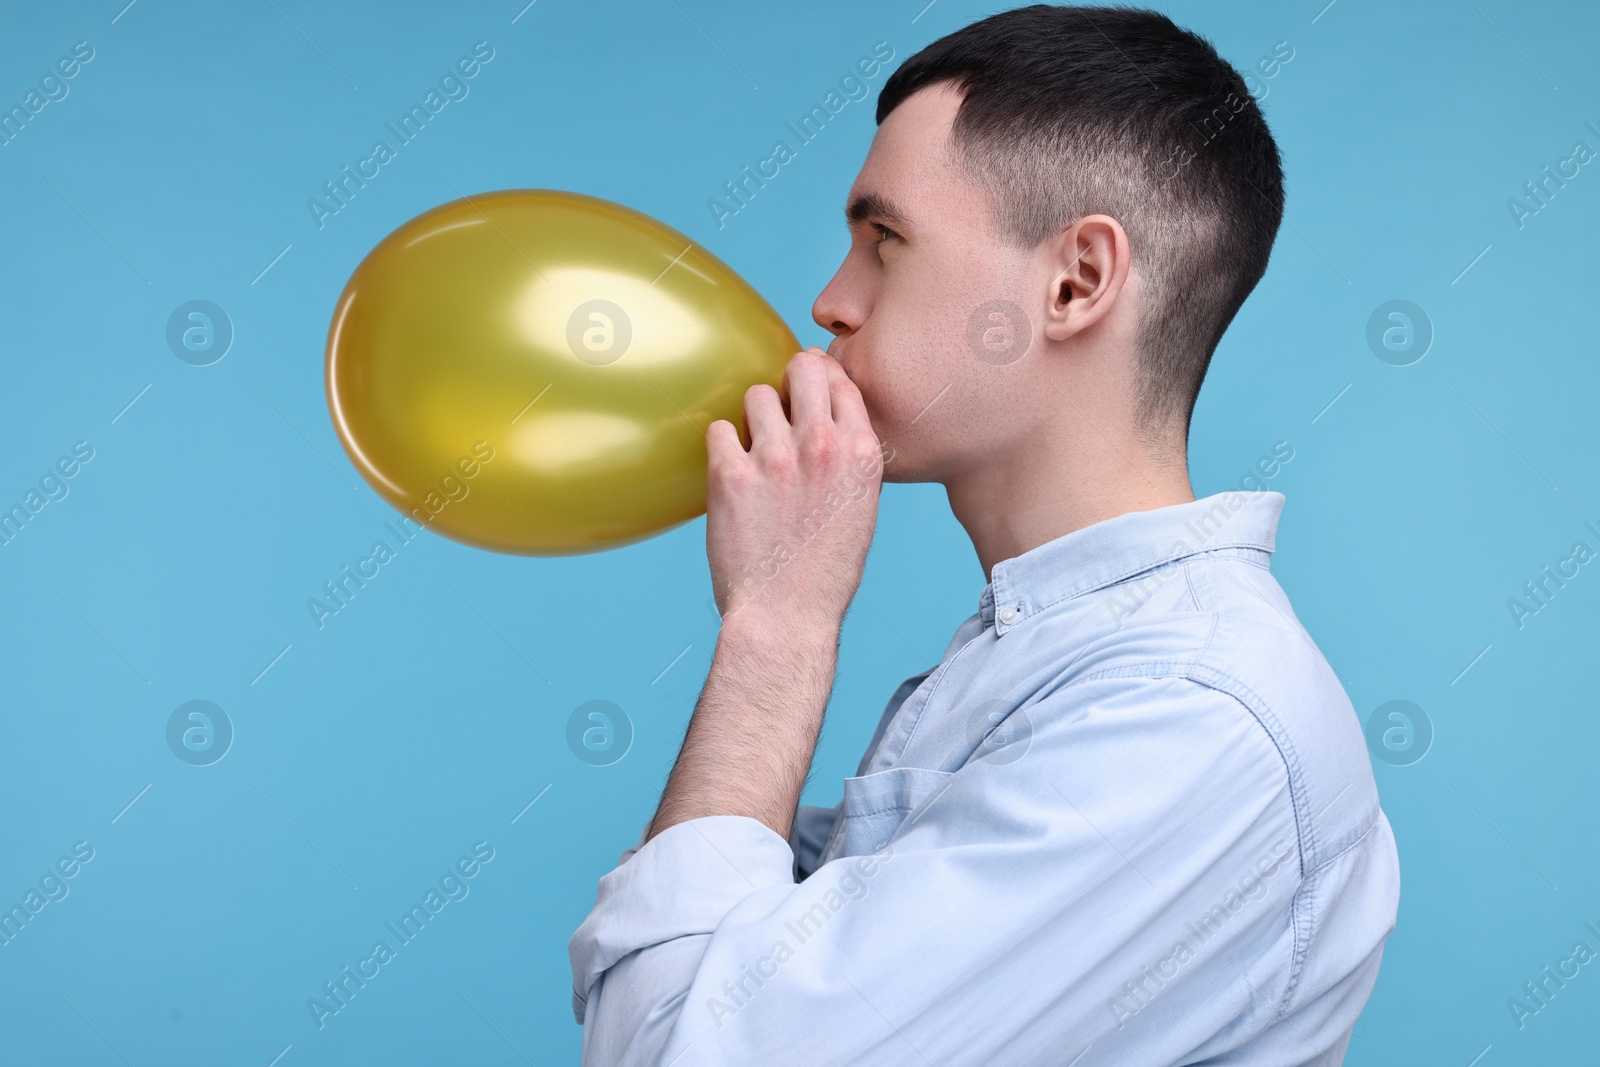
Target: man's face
[923,258]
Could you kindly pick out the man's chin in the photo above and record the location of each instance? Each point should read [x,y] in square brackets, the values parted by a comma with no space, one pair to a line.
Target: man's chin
[895,468]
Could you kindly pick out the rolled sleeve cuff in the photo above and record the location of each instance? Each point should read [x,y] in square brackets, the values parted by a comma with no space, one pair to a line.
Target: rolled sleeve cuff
[682,882]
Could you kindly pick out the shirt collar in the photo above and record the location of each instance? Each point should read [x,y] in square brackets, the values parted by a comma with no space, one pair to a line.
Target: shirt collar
[1118,548]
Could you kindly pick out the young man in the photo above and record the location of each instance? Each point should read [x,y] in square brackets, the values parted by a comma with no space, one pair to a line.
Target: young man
[1129,817]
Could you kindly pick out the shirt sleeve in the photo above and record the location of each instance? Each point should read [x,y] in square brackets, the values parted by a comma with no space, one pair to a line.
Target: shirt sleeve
[812,825]
[1120,870]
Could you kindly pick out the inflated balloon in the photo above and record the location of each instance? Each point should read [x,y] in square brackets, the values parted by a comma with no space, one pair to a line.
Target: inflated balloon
[533,371]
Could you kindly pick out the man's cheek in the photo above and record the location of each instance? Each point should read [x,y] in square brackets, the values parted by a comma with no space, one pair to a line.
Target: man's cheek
[871,396]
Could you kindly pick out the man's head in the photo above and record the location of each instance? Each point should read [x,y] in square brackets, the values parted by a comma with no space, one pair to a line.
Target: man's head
[1085,197]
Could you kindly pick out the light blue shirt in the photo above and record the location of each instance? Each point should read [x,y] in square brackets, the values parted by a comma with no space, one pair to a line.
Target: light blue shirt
[1127,819]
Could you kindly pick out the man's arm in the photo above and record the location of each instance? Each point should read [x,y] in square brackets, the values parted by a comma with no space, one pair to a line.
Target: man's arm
[749,745]
[788,524]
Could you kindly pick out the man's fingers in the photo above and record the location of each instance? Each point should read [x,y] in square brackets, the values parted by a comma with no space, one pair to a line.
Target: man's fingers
[722,442]
[821,397]
[849,410]
[806,381]
[763,413]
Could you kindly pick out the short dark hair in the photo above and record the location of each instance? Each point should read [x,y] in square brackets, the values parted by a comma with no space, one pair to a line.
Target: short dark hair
[1075,111]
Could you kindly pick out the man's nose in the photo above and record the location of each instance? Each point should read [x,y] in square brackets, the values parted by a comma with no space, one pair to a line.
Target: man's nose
[831,310]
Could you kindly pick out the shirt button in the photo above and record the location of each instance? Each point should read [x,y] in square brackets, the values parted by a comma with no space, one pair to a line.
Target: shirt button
[1008,615]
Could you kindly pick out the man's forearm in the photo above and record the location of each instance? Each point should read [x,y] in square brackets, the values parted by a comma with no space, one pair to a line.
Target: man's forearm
[750,742]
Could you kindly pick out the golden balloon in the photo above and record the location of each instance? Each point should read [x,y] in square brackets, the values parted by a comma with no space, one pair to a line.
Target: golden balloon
[533,371]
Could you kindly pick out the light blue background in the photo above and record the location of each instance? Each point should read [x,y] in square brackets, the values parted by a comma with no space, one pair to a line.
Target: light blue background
[424,718]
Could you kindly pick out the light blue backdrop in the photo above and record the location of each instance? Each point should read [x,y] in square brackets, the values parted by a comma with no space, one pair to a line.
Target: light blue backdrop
[368,757]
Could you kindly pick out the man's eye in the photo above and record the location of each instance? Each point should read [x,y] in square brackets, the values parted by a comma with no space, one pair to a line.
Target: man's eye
[884,233]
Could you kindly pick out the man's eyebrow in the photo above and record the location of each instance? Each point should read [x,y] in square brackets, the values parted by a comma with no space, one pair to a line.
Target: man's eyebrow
[864,207]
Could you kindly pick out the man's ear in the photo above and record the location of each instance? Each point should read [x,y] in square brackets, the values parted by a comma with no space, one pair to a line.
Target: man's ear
[1094,264]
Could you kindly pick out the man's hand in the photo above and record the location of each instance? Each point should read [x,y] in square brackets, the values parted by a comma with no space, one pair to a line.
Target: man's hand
[788,523]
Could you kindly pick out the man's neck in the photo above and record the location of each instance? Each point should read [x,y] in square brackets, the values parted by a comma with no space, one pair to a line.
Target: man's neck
[1010,508]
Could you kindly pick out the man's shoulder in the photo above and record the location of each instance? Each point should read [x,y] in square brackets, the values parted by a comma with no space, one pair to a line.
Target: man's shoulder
[1219,618]
[1223,623]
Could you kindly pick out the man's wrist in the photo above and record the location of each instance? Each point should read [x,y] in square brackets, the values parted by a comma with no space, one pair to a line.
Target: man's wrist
[760,626]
